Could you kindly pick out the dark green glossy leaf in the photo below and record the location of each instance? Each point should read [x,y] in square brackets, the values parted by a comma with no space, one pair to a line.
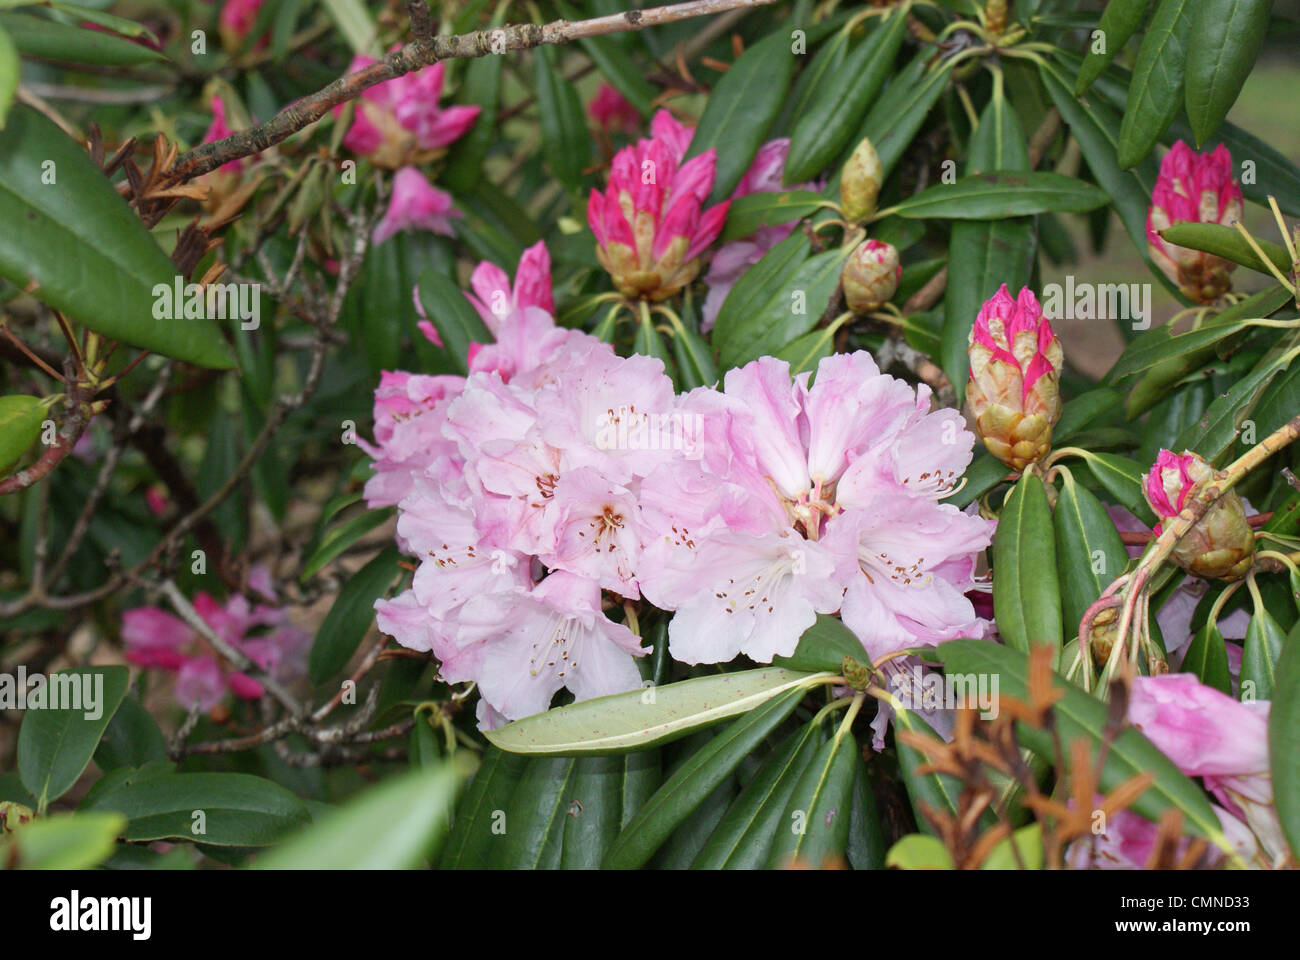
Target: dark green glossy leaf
[1259,655]
[453,316]
[51,40]
[1284,742]
[1089,551]
[815,828]
[54,745]
[1026,596]
[1227,243]
[131,739]
[993,196]
[351,615]
[81,249]
[1118,22]
[1222,46]
[566,144]
[1156,91]
[1207,657]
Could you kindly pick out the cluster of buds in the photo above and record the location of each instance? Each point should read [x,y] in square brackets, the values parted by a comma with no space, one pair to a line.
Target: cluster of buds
[1015,371]
[860,183]
[870,276]
[1193,188]
[650,223]
[1221,544]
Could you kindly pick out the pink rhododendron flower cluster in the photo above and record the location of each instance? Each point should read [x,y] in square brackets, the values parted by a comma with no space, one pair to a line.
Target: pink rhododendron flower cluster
[1210,735]
[157,640]
[558,473]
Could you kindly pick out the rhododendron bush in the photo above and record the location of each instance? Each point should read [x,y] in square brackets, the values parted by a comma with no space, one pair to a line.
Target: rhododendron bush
[736,433]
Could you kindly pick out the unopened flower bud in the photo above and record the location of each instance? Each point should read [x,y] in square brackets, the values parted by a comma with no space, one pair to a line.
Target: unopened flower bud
[860,182]
[1015,370]
[12,815]
[1193,188]
[1221,544]
[870,276]
[1102,633]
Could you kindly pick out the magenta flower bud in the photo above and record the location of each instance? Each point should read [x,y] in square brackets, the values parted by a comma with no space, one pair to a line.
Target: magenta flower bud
[650,223]
[870,276]
[1221,545]
[1015,370]
[1193,188]
[236,19]
[399,123]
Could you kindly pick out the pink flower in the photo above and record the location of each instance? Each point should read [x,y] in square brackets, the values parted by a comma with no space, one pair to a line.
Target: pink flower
[1015,369]
[410,410]
[524,646]
[156,640]
[809,489]
[398,122]
[1193,188]
[415,204]
[1129,840]
[236,19]
[733,259]
[1212,736]
[494,297]
[610,111]
[650,224]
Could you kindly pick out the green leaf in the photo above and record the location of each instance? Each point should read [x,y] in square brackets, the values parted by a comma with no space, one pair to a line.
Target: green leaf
[823,646]
[566,144]
[919,851]
[131,739]
[815,828]
[790,310]
[476,838]
[621,71]
[1227,243]
[823,129]
[1082,412]
[1089,550]
[395,825]
[758,286]
[82,251]
[54,745]
[20,427]
[1157,346]
[743,837]
[993,196]
[937,791]
[355,23]
[1028,841]
[1118,22]
[1259,655]
[984,473]
[1207,657]
[694,360]
[899,112]
[695,779]
[453,316]
[343,536]
[1216,431]
[1284,743]
[741,108]
[480,87]
[1156,91]
[1026,596]
[236,809]
[1095,125]
[866,849]
[748,214]
[984,255]
[535,819]
[604,794]
[1122,477]
[50,40]
[641,718]
[1222,44]
[1079,715]
[8,74]
[351,615]
[65,841]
